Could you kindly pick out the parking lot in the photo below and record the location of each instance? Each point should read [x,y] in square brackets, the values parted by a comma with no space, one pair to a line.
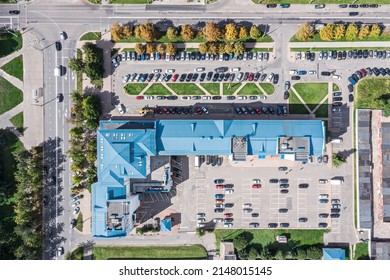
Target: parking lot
[197,195]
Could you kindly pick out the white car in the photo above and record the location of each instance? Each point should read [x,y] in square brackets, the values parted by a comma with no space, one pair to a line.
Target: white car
[270,77]
[293,72]
[256,181]
[201,225]
[218,205]
[242,97]
[262,97]
[227,224]
[133,76]
[201,220]
[155,79]
[206,97]
[185,98]
[162,77]
[322,181]
[60,251]
[76,210]
[126,78]
[312,72]
[323,196]
[76,203]
[336,77]
[152,56]
[120,108]
[200,215]
[246,205]
[229,191]
[217,220]
[149,97]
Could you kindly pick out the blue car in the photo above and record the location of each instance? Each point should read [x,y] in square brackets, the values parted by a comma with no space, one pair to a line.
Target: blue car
[218,196]
[352,80]
[302,72]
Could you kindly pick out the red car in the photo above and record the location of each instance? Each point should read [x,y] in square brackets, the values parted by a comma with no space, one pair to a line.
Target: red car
[250,78]
[256,186]
[198,110]
[258,111]
[228,215]
[219,201]
[219,186]
[166,111]
[139,97]
[174,78]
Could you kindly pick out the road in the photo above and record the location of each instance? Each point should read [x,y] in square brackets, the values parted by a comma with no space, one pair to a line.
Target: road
[46,20]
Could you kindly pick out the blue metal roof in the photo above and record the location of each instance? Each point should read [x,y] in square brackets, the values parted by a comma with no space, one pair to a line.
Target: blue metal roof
[333,254]
[166,225]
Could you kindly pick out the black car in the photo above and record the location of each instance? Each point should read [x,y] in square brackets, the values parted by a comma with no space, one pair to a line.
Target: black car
[343,6]
[334,216]
[363,6]
[189,77]
[230,97]
[60,97]
[374,5]
[334,55]
[375,71]
[283,181]
[365,54]
[196,75]
[303,186]
[354,54]
[160,97]
[209,76]
[218,210]
[360,53]
[284,225]
[274,181]
[272,225]
[262,78]
[308,55]
[302,220]
[323,215]
[286,94]
[344,55]
[339,55]
[388,71]
[352,14]
[284,191]
[284,186]
[215,77]
[322,225]
[14,12]
[271,5]
[295,78]
[264,110]
[246,75]
[382,71]
[182,77]
[337,98]
[271,110]
[227,75]
[276,79]
[353,6]
[283,210]
[335,210]
[325,73]
[250,110]
[229,205]
[172,97]
[349,54]
[58,46]
[350,97]
[202,77]
[256,77]
[216,97]
[221,76]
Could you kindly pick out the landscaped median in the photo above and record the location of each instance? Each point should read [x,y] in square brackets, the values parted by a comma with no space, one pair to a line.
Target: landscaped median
[157,89]
[10,96]
[14,67]
[261,243]
[150,252]
[186,89]
[10,42]
[373,93]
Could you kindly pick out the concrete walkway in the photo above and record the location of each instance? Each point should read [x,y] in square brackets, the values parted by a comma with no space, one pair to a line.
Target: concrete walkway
[360,44]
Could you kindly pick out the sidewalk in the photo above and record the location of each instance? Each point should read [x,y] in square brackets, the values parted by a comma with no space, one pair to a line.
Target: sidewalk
[361,44]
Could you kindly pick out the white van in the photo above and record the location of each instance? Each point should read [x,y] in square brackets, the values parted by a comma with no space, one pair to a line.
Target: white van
[337,140]
[170,71]
[199,69]
[157,70]
[336,182]
[235,69]
[57,71]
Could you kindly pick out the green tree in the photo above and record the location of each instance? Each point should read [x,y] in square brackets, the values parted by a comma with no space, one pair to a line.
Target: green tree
[352,32]
[116,31]
[375,31]
[338,160]
[305,32]
[212,32]
[326,32]
[187,33]
[76,64]
[172,33]
[254,32]
[364,31]
[239,48]
[300,254]
[243,33]
[339,31]
[314,253]
[240,242]
[76,132]
[92,111]
[91,176]
[231,32]
[252,253]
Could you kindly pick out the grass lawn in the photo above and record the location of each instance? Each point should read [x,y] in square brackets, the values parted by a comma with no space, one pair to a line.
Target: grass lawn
[157,89]
[17,121]
[335,87]
[212,88]
[79,222]
[260,49]
[233,88]
[335,49]
[371,93]
[10,96]
[268,236]
[15,67]
[128,50]
[295,105]
[268,87]
[185,89]
[10,43]
[91,36]
[135,89]
[322,111]
[150,252]
[361,252]
[250,89]
[312,93]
